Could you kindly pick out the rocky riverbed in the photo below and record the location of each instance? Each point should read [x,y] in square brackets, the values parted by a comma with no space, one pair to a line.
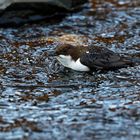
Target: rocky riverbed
[40,99]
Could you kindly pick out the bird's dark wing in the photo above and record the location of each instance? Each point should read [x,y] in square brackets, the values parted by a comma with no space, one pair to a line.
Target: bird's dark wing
[102,58]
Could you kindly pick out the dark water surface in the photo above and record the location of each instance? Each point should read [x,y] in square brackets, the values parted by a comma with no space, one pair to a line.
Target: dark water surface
[41,100]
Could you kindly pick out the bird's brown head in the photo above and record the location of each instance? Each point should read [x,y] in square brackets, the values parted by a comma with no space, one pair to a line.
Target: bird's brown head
[67,49]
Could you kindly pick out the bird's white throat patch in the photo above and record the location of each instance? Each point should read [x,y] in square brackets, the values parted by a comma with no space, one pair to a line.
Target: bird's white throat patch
[67,61]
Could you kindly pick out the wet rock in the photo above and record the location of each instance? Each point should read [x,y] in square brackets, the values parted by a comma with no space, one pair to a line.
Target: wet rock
[16,13]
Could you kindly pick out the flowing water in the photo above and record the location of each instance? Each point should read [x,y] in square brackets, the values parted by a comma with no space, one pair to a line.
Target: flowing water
[40,99]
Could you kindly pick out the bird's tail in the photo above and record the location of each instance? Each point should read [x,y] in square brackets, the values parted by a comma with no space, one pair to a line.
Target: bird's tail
[134,61]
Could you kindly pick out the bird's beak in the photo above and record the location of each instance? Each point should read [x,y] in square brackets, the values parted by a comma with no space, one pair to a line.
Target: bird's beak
[57,57]
[52,53]
[55,54]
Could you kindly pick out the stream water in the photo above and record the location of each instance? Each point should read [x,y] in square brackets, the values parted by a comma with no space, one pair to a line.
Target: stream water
[40,99]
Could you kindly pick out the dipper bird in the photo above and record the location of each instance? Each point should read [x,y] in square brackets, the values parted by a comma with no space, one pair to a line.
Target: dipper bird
[86,58]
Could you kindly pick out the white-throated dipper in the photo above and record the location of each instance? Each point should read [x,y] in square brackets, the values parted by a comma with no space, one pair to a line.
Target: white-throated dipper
[86,58]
